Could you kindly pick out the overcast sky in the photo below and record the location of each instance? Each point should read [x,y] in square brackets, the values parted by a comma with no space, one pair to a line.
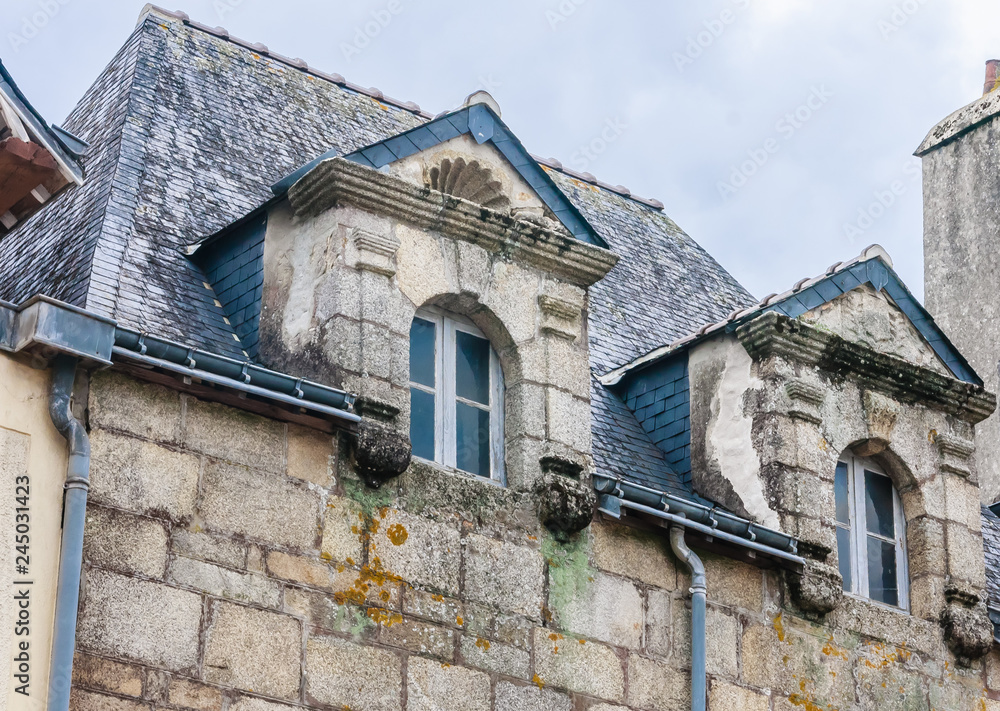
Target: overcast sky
[768,128]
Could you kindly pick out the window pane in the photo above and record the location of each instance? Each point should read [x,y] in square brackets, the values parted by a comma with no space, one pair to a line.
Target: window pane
[844,556]
[841,492]
[472,367]
[878,505]
[422,352]
[422,423]
[882,571]
[473,446]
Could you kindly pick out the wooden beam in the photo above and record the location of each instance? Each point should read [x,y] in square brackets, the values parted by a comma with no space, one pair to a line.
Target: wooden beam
[23,167]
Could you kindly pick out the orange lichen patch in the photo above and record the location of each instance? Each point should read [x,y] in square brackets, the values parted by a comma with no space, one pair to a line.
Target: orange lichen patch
[807,704]
[384,617]
[397,534]
[350,561]
[583,641]
[459,621]
[779,627]
[932,436]
[885,656]
[555,650]
[384,596]
[555,637]
[437,598]
[832,650]
[483,644]
[823,444]
[532,538]
[538,681]
[325,556]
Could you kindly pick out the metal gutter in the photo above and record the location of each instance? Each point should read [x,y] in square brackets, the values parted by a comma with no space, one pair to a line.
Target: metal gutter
[699,595]
[615,494]
[74,515]
[243,377]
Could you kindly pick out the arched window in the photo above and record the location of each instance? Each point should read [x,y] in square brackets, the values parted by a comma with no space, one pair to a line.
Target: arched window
[871,532]
[456,394]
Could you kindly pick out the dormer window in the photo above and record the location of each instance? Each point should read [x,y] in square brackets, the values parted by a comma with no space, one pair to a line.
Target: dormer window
[456,395]
[871,532]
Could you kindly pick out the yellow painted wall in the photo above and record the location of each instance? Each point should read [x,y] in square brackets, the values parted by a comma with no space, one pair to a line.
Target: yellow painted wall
[29,447]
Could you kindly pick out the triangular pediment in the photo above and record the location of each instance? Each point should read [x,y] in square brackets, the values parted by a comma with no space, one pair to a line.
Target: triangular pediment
[871,318]
[472,155]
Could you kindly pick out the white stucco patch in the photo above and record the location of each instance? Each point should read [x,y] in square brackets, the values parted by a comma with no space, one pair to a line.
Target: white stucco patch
[728,440]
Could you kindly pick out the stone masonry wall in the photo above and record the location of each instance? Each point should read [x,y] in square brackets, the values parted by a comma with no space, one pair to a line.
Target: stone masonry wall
[237,563]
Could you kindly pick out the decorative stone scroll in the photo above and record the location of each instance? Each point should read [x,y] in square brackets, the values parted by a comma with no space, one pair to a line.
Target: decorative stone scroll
[806,399]
[373,252]
[955,454]
[560,318]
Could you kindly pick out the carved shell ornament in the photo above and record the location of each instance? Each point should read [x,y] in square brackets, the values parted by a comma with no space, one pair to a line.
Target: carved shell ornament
[469,181]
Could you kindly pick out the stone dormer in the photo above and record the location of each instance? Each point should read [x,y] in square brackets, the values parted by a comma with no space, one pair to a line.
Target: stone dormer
[448,227]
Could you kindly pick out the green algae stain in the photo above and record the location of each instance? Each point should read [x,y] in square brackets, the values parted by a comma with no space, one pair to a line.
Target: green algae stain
[569,569]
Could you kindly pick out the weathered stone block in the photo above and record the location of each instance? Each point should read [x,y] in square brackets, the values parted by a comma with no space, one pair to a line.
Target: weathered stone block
[966,561]
[962,501]
[730,582]
[259,506]
[81,700]
[234,435]
[344,674]
[189,694]
[418,637]
[722,633]
[633,554]
[107,675]
[419,551]
[512,296]
[585,667]
[141,620]
[129,544]
[343,529]
[254,650]
[568,418]
[303,569]
[655,685]
[224,582]
[925,546]
[324,611]
[432,686]
[504,575]
[730,696]
[496,657]
[141,476]
[530,698]
[927,596]
[429,606]
[513,629]
[609,609]
[659,622]
[311,455]
[122,403]
[252,703]
[215,549]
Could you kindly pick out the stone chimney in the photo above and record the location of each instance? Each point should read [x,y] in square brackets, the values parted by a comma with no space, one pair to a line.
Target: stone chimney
[961,184]
[992,78]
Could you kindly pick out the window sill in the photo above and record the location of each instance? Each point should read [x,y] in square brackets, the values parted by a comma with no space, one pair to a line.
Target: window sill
[452,471]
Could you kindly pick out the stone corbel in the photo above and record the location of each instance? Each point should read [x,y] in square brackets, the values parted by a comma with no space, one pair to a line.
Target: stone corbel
[380,453]
[955,454]
[967,626]
[373,252]
[805,400]
[560,318]
[818,589]
[566,505]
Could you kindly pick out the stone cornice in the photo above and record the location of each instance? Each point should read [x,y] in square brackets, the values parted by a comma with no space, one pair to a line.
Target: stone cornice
[773,334]
[338,181]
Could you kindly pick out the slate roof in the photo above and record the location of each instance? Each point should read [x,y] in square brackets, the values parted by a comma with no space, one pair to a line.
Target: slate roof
[189,129]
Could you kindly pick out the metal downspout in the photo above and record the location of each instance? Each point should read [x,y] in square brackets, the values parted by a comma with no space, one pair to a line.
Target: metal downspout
[74,514]
[699,591]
